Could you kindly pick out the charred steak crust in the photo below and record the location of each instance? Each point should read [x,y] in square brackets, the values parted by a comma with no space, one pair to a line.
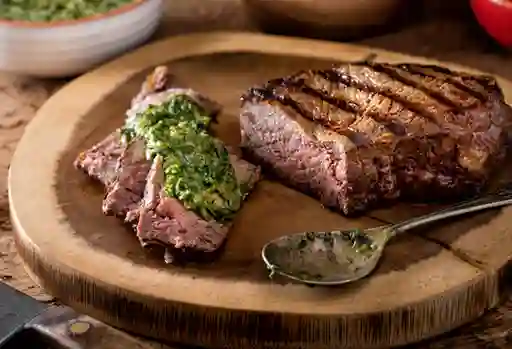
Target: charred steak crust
[365,132]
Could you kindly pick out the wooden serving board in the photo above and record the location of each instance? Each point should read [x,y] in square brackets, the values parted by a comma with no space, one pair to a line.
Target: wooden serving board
[428,283]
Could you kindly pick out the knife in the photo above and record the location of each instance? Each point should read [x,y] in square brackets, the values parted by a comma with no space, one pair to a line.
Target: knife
[26,323]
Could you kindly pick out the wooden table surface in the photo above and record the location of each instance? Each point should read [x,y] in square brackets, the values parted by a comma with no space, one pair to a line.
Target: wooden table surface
[449,38]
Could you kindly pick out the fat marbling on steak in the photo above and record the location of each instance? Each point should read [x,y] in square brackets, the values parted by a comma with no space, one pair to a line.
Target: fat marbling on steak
[134,184]
[365,132]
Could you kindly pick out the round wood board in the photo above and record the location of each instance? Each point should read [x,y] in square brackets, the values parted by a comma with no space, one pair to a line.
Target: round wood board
[428,282]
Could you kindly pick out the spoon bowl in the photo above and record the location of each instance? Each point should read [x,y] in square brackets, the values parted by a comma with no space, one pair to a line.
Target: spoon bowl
[343,256]
[326,258]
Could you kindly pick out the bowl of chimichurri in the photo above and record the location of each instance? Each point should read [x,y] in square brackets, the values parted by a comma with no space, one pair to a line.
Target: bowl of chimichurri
[58,38]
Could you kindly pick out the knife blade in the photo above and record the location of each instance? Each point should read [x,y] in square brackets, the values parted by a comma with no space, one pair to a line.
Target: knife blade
[58,327]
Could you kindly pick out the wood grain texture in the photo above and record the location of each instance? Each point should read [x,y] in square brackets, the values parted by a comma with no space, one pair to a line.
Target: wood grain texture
[422,288]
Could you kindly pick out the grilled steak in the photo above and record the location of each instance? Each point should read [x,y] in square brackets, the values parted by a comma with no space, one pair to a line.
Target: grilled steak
[365,132]
[135,185]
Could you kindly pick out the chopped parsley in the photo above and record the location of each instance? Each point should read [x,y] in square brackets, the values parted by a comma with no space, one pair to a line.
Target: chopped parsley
[196,165]
[55,10]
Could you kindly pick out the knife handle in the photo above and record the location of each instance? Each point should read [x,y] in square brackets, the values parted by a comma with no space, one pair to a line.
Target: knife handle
[70,330]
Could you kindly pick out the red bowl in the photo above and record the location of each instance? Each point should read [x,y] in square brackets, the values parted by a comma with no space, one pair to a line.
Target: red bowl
[495,16]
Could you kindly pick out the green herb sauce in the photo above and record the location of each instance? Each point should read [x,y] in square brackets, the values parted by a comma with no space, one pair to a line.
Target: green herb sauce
[196,165]
[55,10]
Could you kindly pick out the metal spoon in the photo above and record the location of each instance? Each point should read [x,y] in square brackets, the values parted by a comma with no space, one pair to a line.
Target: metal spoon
[343,256]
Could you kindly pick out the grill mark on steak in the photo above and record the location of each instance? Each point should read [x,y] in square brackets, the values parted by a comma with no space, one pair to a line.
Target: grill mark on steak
[454,79]
[408,134]
[348,82]
[299,81]
[427,85]
[341,115]
[370,103]
[312,105]
[273,89]
[462,126]
[377,103]
[307,95]
[315,108]
[410,95]
[480,86]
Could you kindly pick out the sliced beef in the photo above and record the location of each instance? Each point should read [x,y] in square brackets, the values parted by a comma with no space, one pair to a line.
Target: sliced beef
[362,133]
[164,221]
[126,192]
[123,168]
[135,193]
[100,161]
[137,197]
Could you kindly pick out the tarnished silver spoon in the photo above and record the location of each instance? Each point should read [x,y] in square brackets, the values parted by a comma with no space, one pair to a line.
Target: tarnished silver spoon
[342,256]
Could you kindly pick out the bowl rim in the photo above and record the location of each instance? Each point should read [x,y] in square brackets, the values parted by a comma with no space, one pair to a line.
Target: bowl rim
[133,4]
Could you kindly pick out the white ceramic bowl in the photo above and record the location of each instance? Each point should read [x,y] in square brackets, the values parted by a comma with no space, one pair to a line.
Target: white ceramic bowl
[69,48]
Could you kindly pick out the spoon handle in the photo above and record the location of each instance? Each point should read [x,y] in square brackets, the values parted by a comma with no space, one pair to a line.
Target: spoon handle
[499,198]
